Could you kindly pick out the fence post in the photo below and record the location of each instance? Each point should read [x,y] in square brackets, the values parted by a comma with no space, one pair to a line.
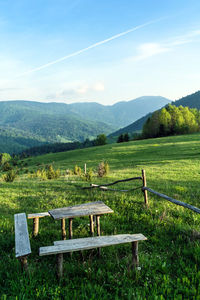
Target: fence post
[144,185]
[85,169]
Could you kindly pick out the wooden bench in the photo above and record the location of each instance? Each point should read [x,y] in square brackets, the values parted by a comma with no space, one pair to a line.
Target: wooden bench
[65,246]
[36,218]
[22,242]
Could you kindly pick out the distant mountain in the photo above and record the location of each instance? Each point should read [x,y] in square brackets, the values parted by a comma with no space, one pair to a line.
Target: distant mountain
[135,127]
[25,124]
[192,101]
[120,114]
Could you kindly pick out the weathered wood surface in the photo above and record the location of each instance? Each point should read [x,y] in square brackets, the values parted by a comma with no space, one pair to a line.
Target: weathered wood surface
[108,184]
[90,243]
[86,209]
[105,188]
[35,226]
[22,242]
[144,185]
[38,215]
[196,209]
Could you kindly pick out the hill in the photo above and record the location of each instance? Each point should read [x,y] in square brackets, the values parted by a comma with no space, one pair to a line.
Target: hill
[169,259]
[37,123]
[121,113]
[32,123]
[135,127]
[192,101]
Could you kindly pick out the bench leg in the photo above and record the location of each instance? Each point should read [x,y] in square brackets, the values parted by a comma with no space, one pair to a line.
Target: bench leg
[60,265]
[91,225]
[63,229]
[70,229]
[24,263]
[98,231]
[135,254]
[35,226]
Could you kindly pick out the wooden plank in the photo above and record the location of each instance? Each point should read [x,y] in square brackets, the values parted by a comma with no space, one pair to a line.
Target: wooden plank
[90,243]
[38,215]
[196,209]
[22,242]
[108,184]
[86,209]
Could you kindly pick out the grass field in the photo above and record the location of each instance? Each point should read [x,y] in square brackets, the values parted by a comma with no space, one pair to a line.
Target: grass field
[169,260]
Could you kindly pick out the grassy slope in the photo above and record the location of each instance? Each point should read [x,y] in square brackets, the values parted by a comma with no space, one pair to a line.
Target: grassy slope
[170,258]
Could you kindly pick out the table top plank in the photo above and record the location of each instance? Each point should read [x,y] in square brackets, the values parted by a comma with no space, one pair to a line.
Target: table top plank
[90,243]
[86,209]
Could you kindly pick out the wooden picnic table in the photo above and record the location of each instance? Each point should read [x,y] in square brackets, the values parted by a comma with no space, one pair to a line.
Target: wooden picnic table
[92,209]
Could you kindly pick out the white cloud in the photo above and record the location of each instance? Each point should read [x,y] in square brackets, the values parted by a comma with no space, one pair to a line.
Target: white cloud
[98,86]
[77,90]
[149,49]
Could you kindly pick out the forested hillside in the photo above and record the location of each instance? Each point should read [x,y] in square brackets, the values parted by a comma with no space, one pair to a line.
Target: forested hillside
[192,101]
[28,124]
[172,120]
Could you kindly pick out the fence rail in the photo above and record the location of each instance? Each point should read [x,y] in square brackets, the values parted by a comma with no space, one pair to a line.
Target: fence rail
[197,210]
[144,189]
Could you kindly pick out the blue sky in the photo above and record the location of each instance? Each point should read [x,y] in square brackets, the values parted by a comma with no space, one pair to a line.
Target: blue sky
[41,55]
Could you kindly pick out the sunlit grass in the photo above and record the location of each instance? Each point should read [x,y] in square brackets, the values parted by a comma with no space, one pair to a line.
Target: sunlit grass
[170,258]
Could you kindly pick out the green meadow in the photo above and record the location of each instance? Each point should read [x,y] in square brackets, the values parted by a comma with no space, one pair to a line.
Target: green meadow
[169,259]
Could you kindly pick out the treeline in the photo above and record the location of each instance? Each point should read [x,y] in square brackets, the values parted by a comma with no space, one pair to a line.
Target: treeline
[62,147]
[172,120]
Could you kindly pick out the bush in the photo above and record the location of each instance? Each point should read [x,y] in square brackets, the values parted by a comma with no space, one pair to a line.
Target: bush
[77,170]
[88,176]
[47,173]
[51,173]
[103,169]
[4,157]
[6,167]
[10,176]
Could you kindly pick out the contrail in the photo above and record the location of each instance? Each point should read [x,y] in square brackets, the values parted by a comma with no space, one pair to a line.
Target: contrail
[87,48]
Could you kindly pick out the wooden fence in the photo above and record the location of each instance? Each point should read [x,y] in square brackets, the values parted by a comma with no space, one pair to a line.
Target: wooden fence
[144,189]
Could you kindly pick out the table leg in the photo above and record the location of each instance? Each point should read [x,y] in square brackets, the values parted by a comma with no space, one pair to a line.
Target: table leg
[98,225]
[60,265]
[91,225]
[135,254]
[63,229]
[35,226]
[70,229]
[98,232]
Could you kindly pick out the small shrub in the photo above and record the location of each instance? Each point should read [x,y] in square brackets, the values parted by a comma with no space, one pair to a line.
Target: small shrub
[77,170]
[89,175]
[47,173]
[69,172]
[103,169]
[6,167]
[51,173]
[107,168]
[10,176]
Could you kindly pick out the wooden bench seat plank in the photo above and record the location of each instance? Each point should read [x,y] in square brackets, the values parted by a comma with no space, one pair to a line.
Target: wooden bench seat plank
[38,215]
[86,209]
[22,242]
[89,243]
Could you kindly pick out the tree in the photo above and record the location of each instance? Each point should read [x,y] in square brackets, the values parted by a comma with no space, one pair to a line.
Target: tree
[100,140]
[120,138]
[4,157]
[126,137]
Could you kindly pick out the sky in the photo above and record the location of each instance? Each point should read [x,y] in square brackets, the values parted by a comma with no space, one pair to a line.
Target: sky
[102,51]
